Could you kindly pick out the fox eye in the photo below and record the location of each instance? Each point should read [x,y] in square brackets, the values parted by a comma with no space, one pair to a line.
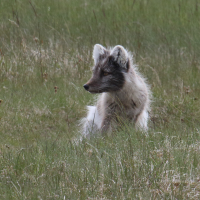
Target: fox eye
[105,73]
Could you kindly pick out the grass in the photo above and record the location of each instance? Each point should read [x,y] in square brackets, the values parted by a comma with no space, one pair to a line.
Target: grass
[45,58]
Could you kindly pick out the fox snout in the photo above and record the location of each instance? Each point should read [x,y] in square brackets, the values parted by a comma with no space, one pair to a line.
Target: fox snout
[86,87]
[92,86]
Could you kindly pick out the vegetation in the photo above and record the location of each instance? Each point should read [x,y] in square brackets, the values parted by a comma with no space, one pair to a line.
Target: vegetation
[45,58]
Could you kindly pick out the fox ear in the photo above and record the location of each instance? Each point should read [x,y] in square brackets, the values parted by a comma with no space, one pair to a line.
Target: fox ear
[120,55]
[99,52]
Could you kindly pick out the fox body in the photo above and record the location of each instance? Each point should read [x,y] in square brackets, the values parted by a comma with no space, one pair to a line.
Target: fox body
[125,94]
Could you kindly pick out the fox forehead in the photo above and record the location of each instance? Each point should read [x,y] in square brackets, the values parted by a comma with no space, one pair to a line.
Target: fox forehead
[105,64]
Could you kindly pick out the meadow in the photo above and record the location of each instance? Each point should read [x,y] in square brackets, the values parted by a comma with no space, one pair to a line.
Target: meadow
[46,57]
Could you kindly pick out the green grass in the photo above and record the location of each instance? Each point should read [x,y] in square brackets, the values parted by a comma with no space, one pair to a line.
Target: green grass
[48,44]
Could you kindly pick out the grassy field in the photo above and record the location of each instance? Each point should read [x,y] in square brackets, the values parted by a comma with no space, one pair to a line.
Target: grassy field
[45,58]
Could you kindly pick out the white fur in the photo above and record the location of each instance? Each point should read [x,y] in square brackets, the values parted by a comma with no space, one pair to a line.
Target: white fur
[98,50]
[94,115]
[142,121]
[92,122]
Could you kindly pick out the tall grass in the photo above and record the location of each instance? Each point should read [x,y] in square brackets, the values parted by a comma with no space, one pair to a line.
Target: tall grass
[45,58]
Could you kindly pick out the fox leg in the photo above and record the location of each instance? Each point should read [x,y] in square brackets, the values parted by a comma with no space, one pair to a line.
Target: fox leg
[92,123]
[142,120]
[106,123]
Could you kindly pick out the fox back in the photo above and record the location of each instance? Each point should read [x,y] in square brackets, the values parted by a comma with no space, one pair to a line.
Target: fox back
[125,95]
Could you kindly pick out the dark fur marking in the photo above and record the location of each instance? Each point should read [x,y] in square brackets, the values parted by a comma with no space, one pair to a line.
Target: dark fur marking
[104,55]
[114,81]
[128,65]
[118,54]
[133,104]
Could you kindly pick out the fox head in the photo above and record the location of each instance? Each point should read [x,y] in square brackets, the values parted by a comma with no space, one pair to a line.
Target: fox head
[109,69]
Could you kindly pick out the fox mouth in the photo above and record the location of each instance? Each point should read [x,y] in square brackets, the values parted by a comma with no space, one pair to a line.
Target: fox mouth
[102,90]
[91,89]
[92,92]
[95,92]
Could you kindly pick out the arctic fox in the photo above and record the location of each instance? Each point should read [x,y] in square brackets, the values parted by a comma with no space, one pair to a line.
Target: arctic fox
[125,95]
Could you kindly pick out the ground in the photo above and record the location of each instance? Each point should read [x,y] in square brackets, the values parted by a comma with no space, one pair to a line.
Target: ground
[46,57]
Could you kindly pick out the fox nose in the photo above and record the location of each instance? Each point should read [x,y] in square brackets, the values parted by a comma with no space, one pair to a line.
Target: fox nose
[86,86]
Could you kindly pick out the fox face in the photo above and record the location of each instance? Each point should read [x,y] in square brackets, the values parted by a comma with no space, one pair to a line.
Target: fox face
[109,69]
